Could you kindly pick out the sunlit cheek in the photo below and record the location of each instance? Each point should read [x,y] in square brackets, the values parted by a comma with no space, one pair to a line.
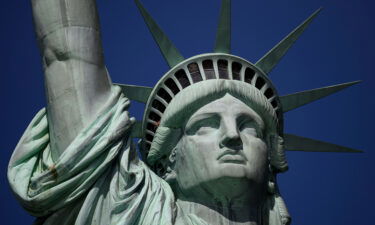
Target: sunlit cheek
[184,161]
[250,132]
[204,150]
[195,151]
[255,148]
[193,163]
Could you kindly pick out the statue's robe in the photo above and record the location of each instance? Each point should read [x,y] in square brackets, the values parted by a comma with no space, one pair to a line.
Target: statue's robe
[97,180]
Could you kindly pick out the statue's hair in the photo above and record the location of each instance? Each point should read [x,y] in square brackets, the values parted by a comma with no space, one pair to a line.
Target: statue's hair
[274,211]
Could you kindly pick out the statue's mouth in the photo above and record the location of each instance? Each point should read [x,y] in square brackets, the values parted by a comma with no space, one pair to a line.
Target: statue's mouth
[232,156]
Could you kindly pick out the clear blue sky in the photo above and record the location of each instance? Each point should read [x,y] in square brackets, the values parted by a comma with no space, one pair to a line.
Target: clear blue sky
[319,188]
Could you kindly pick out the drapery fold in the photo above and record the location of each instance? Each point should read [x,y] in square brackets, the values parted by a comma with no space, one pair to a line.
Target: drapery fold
[43,186]
[97,180]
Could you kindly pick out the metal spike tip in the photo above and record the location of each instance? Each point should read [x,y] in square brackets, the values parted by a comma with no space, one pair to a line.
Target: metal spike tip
[296,100]
[223,36]
[297,143]
[272,58]
[169,51]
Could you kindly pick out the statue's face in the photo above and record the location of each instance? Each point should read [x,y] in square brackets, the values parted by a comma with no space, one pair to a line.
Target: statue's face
[222,149]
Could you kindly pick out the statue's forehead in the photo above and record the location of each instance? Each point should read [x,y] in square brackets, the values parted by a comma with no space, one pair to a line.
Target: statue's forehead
[226,104]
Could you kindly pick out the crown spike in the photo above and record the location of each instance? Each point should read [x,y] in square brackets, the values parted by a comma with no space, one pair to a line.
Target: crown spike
[169,51]
[223,35]
[297,143]
[272,58]
[293,101]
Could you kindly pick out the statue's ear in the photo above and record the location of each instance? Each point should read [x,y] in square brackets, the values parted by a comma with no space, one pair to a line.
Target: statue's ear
[172,156]
[277,153]
[170,174]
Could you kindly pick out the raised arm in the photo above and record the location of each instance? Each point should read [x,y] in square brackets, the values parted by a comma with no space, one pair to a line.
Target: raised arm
[76,80]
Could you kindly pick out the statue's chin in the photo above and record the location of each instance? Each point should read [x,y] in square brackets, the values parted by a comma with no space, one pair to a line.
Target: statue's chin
[222,182]
[233,169]
[229,185]
[238,171]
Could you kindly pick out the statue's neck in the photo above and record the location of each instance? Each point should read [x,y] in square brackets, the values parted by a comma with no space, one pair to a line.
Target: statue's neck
[218,214]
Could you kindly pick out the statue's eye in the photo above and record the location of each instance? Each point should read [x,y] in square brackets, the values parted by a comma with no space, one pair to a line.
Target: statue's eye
[204,126]
[249,126]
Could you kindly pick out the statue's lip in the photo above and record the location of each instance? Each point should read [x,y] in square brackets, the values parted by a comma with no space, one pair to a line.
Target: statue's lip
[235,156]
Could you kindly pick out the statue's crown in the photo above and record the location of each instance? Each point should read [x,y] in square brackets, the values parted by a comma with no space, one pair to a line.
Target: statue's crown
[222,65]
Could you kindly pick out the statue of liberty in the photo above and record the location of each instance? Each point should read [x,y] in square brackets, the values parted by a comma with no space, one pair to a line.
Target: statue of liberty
[211,139]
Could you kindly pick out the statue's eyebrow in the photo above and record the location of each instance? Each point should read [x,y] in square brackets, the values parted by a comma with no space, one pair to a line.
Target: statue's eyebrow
[202,116]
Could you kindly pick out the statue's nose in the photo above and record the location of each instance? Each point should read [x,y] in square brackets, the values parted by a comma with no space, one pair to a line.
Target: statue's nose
[230,135]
